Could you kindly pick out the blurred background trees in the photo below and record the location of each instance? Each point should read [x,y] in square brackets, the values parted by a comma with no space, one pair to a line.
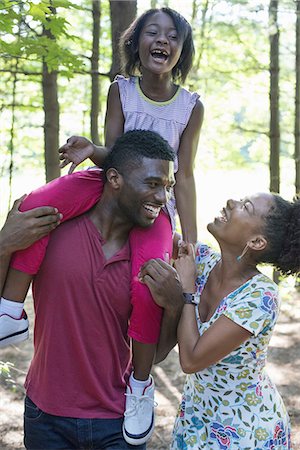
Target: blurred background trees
[59,56]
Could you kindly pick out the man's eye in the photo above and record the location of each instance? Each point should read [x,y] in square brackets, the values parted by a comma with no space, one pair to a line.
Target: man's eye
[173,36]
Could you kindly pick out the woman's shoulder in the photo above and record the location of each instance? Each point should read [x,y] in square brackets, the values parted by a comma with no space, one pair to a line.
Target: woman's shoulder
[263,282]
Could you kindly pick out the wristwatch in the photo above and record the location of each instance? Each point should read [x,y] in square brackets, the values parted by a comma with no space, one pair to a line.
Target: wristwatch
[191,299]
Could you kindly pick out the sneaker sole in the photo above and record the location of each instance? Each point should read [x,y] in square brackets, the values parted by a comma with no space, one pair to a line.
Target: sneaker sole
[15,338]
[137,441]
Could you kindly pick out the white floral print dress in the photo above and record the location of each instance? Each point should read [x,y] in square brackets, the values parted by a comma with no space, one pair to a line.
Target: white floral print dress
[233,404]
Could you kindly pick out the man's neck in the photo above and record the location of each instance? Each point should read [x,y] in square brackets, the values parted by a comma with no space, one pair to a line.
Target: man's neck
[112,225]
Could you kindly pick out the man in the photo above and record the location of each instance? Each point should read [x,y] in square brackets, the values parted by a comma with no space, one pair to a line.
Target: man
[76,382]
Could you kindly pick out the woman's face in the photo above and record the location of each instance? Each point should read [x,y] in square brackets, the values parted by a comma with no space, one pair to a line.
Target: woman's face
[241,220]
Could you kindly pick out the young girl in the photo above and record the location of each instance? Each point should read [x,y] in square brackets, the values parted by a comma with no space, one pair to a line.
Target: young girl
[158,47]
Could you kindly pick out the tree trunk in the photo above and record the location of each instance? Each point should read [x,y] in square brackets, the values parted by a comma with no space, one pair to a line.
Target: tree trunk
[122,13]
[274,98]
[51,124]
[51,118]
[297,101]
[95,76]
[12,135]
[274,105]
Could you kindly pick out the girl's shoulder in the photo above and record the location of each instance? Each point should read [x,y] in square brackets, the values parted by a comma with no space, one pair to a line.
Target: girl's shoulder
[188,96]
[123,81]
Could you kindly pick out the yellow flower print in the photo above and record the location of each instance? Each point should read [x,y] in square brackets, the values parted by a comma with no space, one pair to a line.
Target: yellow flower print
[251,399]
[243,386]
[199,387]
[244,374]
[241,432]
[261,434]
[196,399]
[244,313]
[191,441]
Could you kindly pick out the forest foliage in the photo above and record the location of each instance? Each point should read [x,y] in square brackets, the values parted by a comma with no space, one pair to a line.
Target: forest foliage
[230,72]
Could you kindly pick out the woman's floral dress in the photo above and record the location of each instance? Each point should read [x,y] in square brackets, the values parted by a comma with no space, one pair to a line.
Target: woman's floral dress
[233,404]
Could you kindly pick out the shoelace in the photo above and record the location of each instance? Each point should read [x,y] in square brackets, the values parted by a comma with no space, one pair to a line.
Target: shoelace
[138,402]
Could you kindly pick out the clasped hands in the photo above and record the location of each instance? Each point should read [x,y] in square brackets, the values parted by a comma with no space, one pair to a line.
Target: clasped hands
[167,282]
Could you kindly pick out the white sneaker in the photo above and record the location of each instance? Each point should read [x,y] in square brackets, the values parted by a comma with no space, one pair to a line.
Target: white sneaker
[138,422]
[13,330]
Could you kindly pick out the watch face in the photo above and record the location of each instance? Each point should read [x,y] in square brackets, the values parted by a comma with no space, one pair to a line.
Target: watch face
[191,298]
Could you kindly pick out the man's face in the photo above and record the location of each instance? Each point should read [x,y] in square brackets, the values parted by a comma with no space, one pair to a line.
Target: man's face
[146,189]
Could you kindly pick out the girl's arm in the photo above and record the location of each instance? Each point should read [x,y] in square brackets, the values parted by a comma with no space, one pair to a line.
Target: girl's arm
[185,190]
[219,340]
[114,118]
[78,148]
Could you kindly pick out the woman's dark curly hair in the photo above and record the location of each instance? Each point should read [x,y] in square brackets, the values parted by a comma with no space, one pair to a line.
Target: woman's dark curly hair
[282,231]
[129,44]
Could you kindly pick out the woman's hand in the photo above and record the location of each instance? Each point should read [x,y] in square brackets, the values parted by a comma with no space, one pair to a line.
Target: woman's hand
[186,267]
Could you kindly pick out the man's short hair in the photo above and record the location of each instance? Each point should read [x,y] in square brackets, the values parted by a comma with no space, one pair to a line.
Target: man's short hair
[130,148]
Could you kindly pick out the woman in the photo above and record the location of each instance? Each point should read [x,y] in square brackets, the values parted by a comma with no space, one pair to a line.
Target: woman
[226,324]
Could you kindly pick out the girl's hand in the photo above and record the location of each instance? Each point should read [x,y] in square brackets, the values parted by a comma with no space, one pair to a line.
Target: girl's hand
[186,267]
[76,150]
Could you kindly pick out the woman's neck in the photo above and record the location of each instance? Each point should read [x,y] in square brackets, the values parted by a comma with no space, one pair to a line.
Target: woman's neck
[158,87]
[229,268]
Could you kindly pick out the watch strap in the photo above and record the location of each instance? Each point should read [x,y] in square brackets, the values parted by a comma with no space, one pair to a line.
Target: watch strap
[191,298]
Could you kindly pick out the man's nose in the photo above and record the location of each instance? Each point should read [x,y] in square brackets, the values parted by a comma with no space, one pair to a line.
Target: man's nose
[230,203]
[162,195]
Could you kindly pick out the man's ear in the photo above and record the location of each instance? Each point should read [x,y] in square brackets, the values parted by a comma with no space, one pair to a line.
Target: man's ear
[257,243]
[114,178]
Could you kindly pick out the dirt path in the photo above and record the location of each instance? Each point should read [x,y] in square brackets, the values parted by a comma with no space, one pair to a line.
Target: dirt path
[283,366]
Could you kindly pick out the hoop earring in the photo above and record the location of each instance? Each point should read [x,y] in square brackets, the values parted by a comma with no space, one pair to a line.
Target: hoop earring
[238,258]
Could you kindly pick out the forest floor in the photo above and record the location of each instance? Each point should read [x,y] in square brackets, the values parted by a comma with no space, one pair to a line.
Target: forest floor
[283,366]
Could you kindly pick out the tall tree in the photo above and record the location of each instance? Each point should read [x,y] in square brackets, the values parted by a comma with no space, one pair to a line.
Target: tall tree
[96,11]
[122,13]
[297,101]
[51,111]
[274,131]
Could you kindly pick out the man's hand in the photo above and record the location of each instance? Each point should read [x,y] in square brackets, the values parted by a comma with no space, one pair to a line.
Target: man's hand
[76,150]
[164,284]
[21,229]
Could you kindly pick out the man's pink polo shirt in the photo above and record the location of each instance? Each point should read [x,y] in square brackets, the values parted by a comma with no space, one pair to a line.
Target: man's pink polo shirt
[82,355]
